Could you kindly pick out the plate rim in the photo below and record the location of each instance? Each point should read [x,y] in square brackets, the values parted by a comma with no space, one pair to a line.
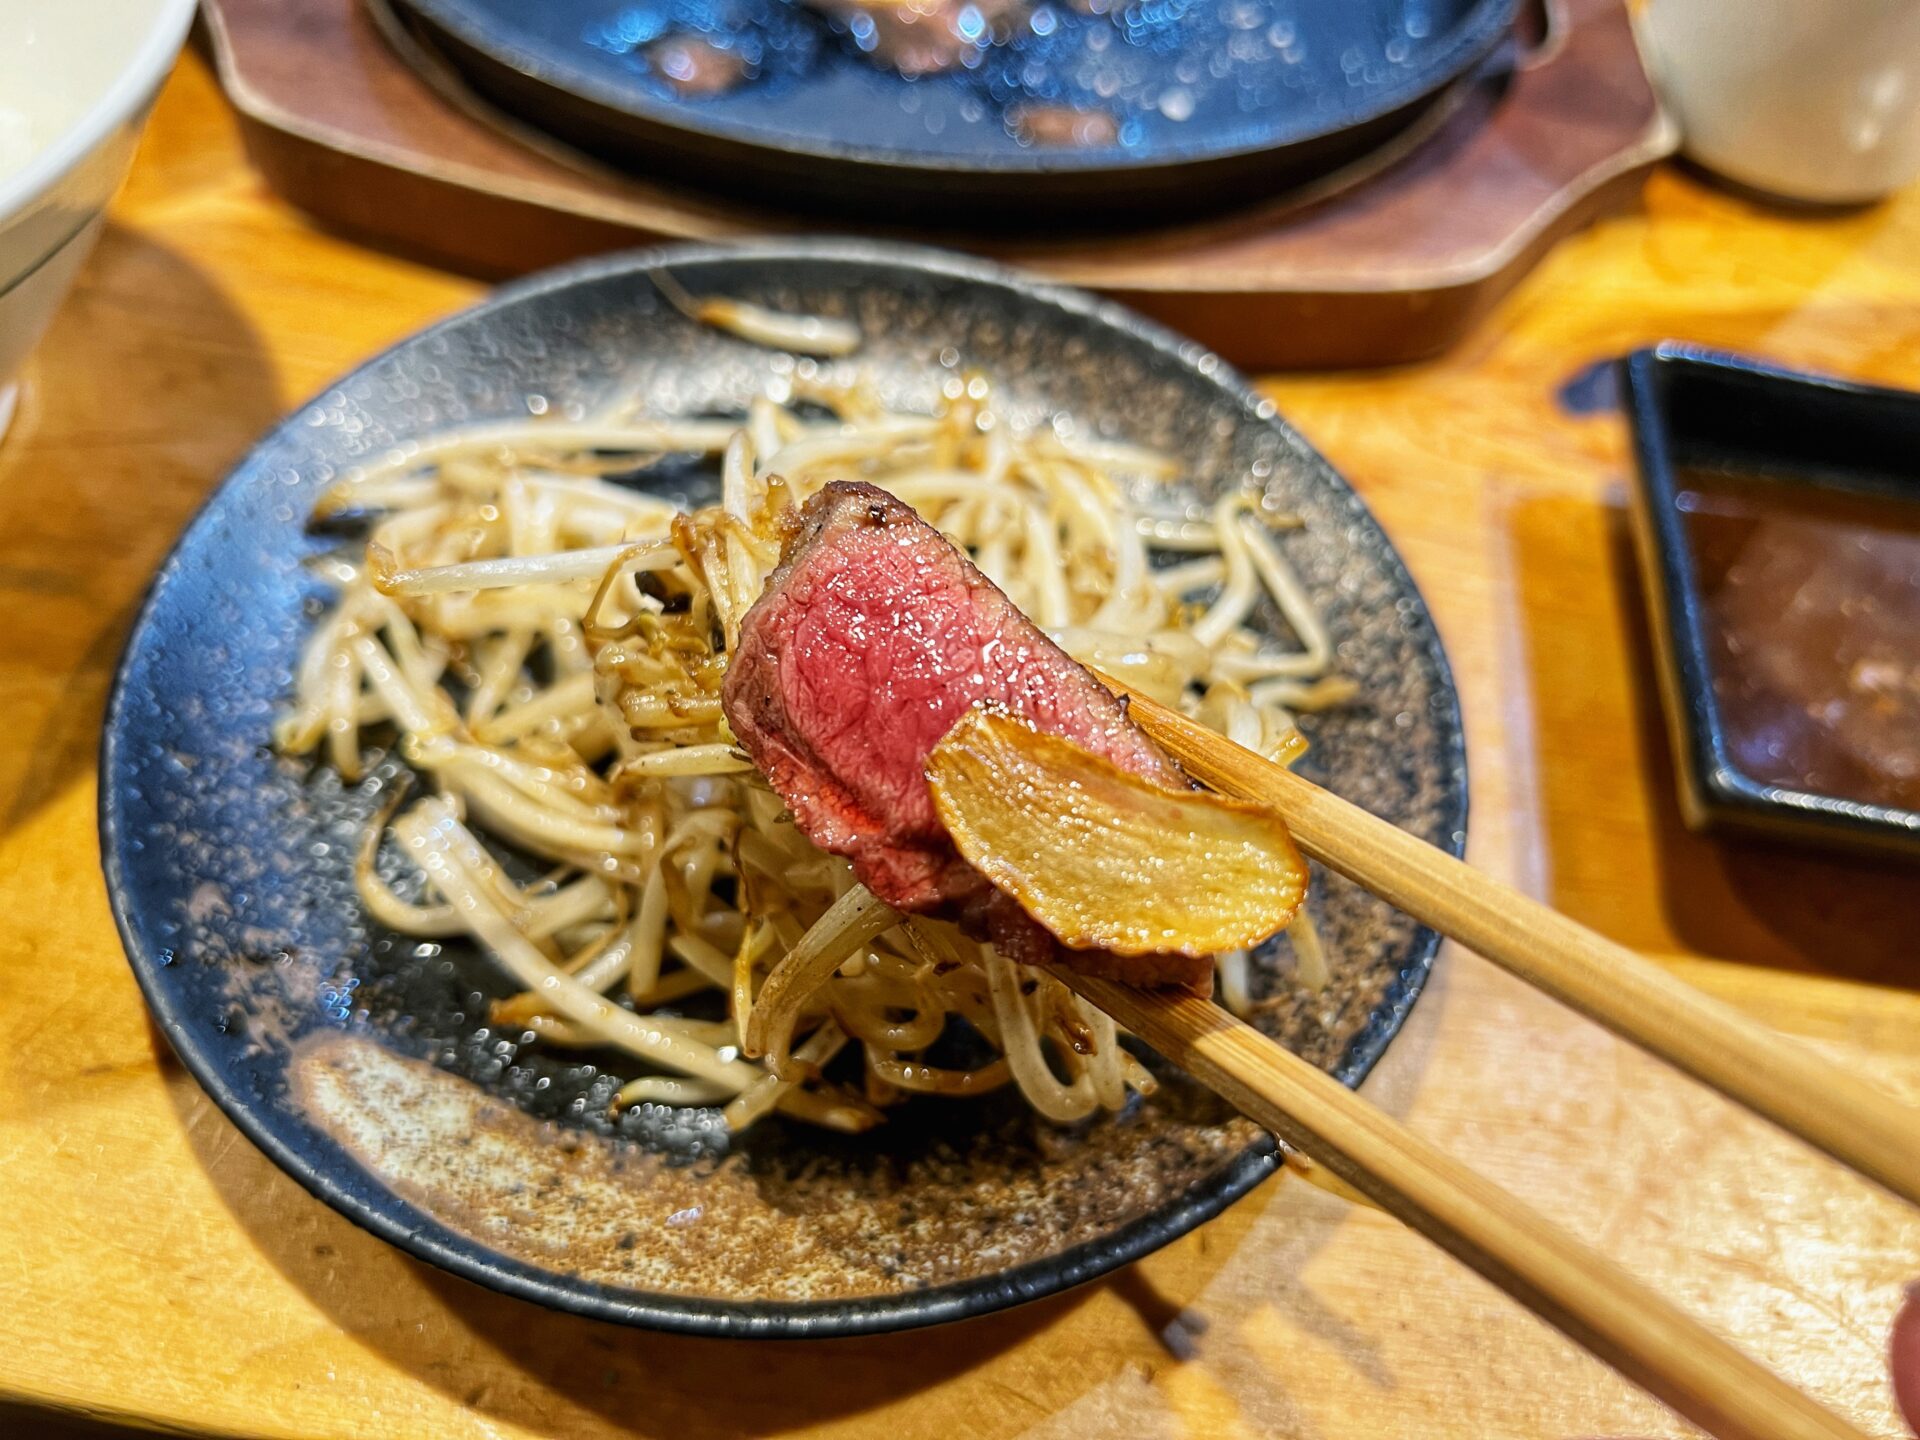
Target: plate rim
[431,1239]
[1472,38]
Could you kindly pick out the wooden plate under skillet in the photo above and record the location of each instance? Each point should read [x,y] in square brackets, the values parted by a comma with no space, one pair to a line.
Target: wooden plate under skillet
[1389,270]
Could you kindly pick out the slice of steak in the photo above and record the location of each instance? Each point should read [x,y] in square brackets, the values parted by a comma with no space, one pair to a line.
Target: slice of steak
[873,636]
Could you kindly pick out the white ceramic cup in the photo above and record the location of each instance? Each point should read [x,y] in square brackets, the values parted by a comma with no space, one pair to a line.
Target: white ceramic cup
[77,78]
[1814,100]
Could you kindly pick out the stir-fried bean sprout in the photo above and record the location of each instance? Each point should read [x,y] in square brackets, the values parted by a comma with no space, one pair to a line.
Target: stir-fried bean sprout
[775,329]
[548,640]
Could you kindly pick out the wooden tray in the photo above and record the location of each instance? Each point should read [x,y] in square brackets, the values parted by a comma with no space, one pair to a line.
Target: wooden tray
[1390,269]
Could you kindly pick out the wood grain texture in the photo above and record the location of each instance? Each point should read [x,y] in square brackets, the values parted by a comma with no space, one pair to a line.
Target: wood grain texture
[1747,1062]
[153,1265]
[1565,1283]
[1341,273]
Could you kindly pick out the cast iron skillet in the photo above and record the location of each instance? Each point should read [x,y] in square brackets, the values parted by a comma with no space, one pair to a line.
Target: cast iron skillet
[361,1061]
[1218,102]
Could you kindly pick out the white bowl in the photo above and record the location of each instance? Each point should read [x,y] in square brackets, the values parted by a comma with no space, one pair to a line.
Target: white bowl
[77,78]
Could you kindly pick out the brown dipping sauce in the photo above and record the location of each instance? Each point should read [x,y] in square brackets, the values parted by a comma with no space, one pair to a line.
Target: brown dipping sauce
[1812,621]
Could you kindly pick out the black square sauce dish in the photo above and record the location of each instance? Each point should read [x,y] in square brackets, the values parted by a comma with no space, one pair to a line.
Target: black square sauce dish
[1777,517]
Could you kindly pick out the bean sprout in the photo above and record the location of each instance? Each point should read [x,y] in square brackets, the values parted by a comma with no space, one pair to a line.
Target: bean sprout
[549,644]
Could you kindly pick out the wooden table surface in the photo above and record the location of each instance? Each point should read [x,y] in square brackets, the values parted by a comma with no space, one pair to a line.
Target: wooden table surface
[155,1269]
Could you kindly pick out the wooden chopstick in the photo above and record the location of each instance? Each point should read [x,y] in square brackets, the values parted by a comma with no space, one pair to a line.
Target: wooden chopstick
[1593,1301]
[1765,1071]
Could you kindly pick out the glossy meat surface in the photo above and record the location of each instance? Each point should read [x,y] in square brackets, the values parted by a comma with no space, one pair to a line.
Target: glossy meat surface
[873,636]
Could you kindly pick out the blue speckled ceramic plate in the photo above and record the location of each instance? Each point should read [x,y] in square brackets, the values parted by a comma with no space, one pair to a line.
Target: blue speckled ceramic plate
[362,1062]
[1195,103]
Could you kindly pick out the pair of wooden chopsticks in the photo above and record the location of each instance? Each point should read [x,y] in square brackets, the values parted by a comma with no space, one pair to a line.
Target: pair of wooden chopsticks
[1594,1302]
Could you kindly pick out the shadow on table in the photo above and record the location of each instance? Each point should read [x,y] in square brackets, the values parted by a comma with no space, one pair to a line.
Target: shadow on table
[33,1423]
[1610,807]
[511,1361]
[97,477]
[521,1364]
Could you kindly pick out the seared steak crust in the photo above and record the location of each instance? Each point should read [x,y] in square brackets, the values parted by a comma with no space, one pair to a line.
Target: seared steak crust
[873,636]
